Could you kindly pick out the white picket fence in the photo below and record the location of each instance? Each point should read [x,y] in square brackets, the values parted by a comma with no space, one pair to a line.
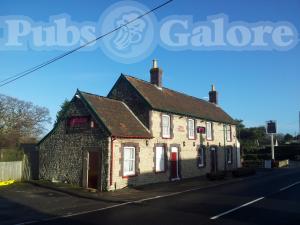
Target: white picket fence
[11,170]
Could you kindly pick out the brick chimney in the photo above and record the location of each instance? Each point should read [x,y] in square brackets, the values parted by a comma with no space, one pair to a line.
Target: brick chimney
[156,74]
[213,95]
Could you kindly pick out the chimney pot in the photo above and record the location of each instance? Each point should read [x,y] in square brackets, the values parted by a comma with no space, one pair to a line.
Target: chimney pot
[154,65]
[156,74]
[213,95]
[213,87]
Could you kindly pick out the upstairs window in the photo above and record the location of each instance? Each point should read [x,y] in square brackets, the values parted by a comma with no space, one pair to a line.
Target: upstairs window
[228,133]
[191,128]
[129,161]
[209,131]
[166,126]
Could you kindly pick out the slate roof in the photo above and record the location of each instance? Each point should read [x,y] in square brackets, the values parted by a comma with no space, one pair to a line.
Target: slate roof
[164,99]
[115,116]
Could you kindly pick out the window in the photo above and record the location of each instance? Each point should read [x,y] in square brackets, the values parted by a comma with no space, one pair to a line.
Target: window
[201,156]
[159,159]
[209,131]
[191,128]
[228,133]
[166,126]
[229,155]
[129,161]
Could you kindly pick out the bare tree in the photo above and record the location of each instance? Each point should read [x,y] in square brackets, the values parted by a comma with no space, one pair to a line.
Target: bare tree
[21,121]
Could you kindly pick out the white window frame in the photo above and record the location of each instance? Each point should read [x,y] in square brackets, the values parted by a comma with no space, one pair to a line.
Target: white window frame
[160,159]
[191,130]
[201,156]
[229,159]
[164,129]
[209,137]
[127,161]
[228,136]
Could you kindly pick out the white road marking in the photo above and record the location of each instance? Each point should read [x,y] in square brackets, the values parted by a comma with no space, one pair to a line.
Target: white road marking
[113,206]
[249,203]
[28,222]
[152,198]
[127,203]
[287,187]
[74,214]
[236,208]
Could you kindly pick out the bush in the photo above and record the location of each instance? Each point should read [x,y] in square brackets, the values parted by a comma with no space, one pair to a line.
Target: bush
[219,175]
[250,157]
[253,163]
[242,172]
[8,155]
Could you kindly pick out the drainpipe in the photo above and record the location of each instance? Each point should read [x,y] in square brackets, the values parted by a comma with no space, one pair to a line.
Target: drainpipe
[225,153]
[111,160]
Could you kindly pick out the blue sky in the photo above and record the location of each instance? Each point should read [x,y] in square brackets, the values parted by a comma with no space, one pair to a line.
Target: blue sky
[253,85]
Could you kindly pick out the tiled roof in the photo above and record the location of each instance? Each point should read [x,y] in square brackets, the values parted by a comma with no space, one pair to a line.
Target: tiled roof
[164,99]
[116,116]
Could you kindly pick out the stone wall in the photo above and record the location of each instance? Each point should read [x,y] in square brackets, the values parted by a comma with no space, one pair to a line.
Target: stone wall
[188,150]
[123,91]
[61,153]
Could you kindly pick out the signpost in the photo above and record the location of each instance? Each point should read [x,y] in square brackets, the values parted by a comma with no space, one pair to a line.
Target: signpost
[272,129]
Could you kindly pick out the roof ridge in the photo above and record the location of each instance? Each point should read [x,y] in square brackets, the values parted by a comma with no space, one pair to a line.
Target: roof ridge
[126,106]
[100,96]
[172,90]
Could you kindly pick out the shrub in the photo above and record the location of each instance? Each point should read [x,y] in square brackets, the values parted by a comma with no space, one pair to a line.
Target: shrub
[242,172]
[219,175]
[8,155]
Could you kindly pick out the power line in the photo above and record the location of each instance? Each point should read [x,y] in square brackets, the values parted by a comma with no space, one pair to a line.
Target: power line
[35,68]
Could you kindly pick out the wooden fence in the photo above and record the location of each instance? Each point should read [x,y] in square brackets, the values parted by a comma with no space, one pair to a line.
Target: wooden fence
[11,170]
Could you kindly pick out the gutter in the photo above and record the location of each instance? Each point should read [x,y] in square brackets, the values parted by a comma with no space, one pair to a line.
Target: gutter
[134,137]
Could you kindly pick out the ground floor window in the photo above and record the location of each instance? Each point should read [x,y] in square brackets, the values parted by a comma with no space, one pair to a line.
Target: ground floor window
[229,155]
[201,156]
[160,159]
[129,161]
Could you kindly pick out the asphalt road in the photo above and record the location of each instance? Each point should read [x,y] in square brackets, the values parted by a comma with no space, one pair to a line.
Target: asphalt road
[273,199]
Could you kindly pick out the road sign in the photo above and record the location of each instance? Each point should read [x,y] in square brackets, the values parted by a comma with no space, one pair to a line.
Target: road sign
[201,130]
[271,127]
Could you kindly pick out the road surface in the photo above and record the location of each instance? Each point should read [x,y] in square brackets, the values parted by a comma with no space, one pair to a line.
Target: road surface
[273,199]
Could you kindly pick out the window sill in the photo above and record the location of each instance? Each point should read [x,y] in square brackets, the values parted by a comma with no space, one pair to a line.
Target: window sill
[129,176]
[166,137]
